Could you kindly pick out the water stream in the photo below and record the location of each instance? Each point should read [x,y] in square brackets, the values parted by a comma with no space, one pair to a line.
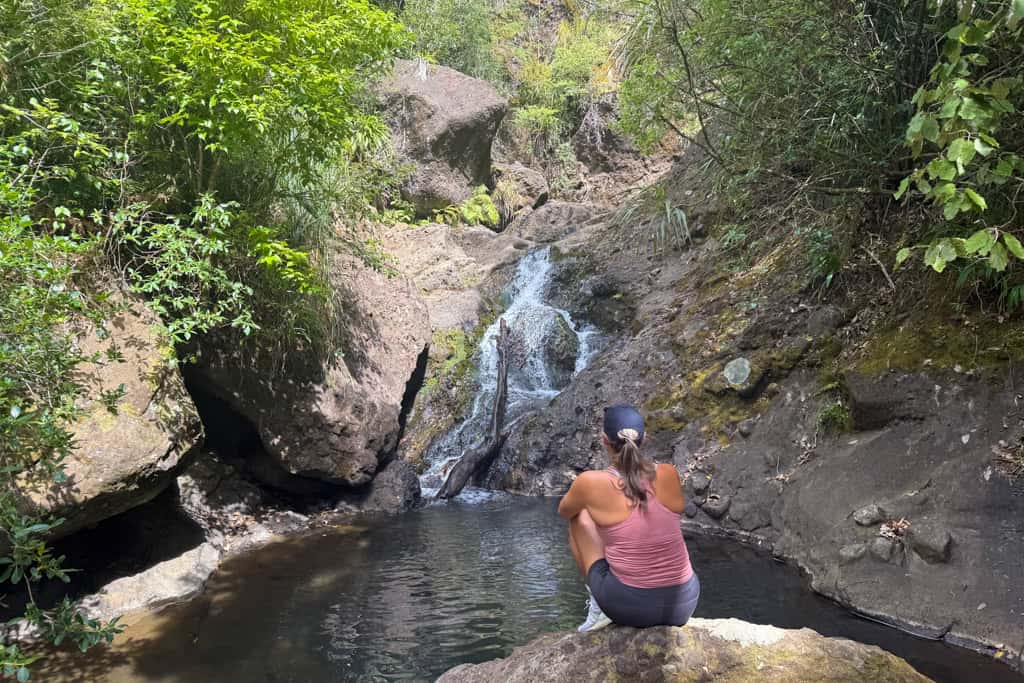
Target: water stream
[533,321]
[407,597]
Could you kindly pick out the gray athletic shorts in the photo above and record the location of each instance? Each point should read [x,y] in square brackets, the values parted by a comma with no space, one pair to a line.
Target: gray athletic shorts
[642,607]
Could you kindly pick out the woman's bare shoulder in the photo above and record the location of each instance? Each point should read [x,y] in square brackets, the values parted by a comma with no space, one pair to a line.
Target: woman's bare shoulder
[667,470]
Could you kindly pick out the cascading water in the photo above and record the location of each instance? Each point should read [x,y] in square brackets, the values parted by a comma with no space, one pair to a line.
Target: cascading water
[531,383]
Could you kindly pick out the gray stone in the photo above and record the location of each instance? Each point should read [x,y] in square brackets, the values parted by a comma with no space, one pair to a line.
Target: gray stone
[332,418]
[930,541]
[825,320]
[690,510]
[746,427]
[176,580]
[737,371]
[554,220]
[518,188]
[715,506]
[444,123]
[882,548]
[700,481]
[215,497]
[749,515]
[727,650]
[396,488]
[120,458]
[869,515]
[852,553]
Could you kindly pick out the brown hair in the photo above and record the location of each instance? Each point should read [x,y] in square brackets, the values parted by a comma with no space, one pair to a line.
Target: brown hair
[635,468]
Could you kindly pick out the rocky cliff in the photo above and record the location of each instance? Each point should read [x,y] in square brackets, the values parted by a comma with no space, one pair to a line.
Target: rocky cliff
[878,449]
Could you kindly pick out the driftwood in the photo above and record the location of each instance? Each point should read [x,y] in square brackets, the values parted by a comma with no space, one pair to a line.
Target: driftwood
[476,461]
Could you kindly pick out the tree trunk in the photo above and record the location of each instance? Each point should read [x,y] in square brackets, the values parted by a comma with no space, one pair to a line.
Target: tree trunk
[476,461]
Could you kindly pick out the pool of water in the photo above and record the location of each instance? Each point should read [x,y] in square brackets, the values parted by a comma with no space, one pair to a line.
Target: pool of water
[407,597]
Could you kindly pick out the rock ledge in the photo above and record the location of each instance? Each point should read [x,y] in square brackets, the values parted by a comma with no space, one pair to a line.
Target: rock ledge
[722,650]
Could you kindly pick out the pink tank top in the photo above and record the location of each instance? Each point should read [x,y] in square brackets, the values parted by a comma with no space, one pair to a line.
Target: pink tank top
[647,549]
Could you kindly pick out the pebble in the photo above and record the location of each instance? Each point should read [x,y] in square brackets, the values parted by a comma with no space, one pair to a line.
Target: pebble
[869,515]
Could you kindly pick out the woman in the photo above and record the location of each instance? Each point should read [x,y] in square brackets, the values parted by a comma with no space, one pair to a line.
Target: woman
[624,533]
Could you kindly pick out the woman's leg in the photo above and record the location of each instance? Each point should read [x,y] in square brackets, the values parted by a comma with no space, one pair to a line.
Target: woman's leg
[585,542]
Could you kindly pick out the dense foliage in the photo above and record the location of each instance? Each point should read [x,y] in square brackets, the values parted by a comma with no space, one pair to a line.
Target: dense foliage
[188,150]
[790,97]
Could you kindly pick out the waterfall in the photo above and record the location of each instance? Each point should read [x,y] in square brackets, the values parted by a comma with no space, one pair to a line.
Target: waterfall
[530,383]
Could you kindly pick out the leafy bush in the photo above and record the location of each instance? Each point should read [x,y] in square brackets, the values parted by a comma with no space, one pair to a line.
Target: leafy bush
[190,147]
[456,33]
[665,222]
[477,210]
[835,418]
[968,138]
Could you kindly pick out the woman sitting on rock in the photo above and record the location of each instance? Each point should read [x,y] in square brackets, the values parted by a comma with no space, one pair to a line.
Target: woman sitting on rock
[625,535]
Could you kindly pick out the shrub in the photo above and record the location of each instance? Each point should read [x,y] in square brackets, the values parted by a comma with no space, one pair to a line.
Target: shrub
[456,33]
[173,141]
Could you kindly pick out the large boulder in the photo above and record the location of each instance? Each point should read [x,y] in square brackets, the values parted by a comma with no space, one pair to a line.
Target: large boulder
[127,450]
[444,122]
[449,266]
[554,220]
[518,189]
[333,418]
[722,650]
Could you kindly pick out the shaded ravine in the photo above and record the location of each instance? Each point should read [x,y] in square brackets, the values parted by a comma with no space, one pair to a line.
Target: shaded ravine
[532,382]
[405,598]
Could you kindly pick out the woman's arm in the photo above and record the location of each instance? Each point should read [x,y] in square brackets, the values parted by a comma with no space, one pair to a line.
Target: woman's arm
[575,501]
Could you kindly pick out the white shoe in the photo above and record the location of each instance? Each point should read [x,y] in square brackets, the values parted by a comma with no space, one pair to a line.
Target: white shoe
[596,619]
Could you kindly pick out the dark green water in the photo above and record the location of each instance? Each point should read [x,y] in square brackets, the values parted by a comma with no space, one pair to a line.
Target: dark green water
[406,598]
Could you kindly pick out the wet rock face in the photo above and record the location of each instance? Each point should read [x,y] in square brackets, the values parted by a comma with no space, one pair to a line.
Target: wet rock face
[561,347]
[726,650]
[124,457]
[444,123]
[333,419]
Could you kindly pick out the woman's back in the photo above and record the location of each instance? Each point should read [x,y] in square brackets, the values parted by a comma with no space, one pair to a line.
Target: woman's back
[646,549]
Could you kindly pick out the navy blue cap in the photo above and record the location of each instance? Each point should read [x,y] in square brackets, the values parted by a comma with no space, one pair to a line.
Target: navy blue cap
[619,417]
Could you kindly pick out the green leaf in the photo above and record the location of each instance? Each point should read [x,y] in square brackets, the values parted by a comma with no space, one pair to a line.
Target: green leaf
[949,107]
[930,129]
[961,150]
[998,259]
[952,208]
[904,184]
[980,242]
[982,149]
[902,255]
[1016,13]
[943,192]
[940,168]
[976,199]
[1014,245]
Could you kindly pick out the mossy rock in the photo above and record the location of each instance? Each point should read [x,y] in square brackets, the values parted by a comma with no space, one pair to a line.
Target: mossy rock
[723,650]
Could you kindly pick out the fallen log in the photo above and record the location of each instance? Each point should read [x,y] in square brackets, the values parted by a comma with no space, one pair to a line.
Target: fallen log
[475,462]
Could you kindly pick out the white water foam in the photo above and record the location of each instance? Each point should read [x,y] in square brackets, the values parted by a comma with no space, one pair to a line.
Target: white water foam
[532,319]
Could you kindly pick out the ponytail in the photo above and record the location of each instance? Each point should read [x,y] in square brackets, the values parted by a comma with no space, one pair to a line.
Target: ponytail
[637,471]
